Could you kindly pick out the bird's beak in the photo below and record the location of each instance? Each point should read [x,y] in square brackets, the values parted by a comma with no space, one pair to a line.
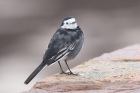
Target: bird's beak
[73,22]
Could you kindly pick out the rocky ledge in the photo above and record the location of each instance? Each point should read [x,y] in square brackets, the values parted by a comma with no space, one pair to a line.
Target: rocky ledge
[115,72]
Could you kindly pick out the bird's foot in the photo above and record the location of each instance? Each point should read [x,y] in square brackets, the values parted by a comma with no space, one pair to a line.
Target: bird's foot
[63,72]
[70,73]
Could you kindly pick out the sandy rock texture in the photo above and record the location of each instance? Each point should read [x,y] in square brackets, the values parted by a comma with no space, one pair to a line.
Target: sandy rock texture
[115,72]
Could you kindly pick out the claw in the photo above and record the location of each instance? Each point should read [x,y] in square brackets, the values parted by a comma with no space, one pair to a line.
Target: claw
[70,73]
[63,72]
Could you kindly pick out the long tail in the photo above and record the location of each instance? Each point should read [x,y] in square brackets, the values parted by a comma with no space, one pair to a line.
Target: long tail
[35,72]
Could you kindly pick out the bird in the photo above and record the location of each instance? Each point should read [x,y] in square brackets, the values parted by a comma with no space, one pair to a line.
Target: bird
[64,45]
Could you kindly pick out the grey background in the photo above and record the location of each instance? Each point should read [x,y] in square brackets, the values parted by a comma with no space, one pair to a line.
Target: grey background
[26,26]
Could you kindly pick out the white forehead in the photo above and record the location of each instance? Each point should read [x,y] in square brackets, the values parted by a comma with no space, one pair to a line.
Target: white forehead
[70,20]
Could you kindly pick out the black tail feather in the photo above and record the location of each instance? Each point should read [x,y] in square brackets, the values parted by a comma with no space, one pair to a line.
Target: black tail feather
[35,72]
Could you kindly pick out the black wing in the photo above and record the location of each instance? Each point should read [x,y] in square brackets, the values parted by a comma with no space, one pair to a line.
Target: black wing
[59,46]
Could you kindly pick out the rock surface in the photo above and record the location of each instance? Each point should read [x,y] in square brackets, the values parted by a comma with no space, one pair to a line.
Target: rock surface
[116,72]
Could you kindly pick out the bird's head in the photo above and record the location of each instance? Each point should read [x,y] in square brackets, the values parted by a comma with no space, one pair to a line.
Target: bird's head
[69,23]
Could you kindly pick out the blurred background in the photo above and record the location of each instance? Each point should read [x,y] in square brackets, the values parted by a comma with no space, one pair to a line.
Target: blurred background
[26,27]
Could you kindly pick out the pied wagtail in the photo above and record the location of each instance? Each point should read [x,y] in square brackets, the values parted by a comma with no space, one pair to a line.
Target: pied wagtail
[65,44]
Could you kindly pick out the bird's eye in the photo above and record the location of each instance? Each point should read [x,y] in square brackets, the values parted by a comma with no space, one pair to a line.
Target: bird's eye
[67,23]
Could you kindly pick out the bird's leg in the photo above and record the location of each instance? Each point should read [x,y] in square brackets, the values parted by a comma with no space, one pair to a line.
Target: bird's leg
[62,72]
[70,73]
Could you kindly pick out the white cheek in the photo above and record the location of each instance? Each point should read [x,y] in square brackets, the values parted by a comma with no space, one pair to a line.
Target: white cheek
[72,26]
[75,25]
[69,26]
